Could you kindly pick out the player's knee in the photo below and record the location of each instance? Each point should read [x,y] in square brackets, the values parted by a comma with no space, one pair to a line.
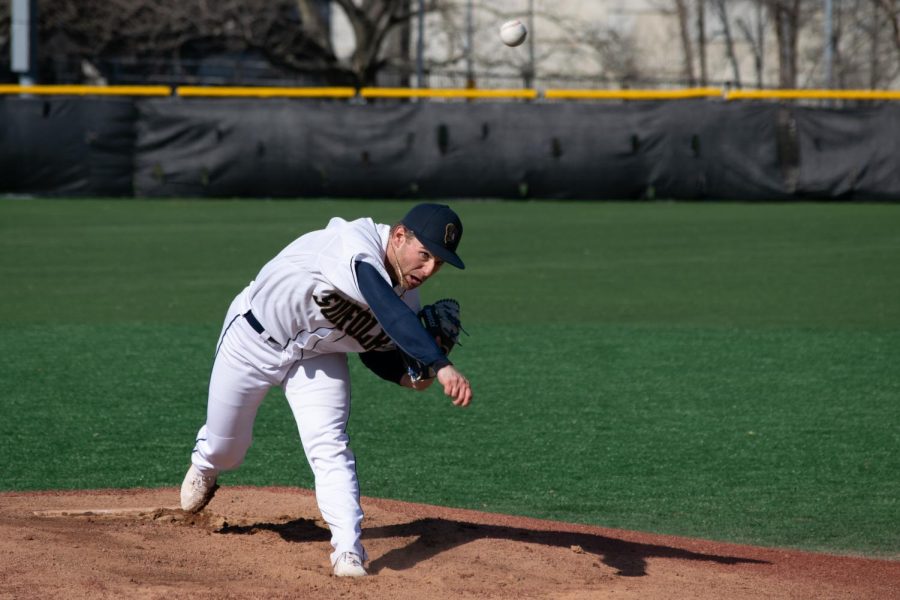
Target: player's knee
[226,454]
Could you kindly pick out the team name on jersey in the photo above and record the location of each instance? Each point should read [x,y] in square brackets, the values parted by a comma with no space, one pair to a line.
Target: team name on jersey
[353,320]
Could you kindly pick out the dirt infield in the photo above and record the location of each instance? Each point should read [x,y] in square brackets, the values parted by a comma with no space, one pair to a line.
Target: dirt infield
[271,543]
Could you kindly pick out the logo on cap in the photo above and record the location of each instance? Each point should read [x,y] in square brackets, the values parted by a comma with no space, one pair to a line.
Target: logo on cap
[450,234]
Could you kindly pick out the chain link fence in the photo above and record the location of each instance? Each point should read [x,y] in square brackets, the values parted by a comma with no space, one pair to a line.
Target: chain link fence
[249,70]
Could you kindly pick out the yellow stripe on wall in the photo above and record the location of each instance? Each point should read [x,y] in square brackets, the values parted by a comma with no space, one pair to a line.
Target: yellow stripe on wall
[265,92]
[562,94]
[466,93]
[87,90]
[813,95]
[380,92]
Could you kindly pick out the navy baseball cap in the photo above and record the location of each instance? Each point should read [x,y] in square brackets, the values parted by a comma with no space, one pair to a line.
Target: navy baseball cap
[438,228]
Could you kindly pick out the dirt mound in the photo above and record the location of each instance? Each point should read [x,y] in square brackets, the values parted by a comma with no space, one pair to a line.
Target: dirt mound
[271,543]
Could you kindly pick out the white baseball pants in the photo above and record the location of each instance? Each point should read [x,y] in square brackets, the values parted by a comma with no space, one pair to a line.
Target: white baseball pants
[317,388]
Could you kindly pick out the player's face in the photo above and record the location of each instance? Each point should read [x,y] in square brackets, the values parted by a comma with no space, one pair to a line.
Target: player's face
[415,262]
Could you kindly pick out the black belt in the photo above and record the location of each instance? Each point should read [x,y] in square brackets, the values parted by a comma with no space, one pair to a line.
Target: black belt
[257,326]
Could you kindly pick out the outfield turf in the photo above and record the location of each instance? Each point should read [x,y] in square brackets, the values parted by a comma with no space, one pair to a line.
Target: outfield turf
[708,369]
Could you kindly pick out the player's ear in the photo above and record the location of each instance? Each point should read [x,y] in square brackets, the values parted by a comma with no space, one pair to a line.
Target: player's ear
[398,235]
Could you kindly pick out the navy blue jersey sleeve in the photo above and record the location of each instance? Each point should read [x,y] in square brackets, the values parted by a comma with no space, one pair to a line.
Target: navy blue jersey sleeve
[398,321]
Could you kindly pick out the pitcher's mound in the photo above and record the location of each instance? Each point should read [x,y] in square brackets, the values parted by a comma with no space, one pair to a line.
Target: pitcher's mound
[271,543]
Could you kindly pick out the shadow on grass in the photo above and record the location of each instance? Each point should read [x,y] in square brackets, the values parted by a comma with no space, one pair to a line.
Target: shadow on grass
[433,536]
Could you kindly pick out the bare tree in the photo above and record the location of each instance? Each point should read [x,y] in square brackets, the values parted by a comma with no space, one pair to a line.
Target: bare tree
[687,46]
[754,33]
[292,35]
[612,49]
[891,10]
[786,19]
[615,53]
[150,31]
[888,11]
[721,7]
[372,22]
[701,40]
[875,48]
[862,59]
[381,31]
[852,44]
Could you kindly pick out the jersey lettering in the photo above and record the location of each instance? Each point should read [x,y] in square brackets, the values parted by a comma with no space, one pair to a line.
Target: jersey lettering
[352,320]
[341,314]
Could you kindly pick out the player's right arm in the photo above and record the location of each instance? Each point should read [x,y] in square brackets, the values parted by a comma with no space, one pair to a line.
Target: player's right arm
[403,327]
[390,366]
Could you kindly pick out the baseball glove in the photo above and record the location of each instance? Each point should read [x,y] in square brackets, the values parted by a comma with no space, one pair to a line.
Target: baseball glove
[441,321]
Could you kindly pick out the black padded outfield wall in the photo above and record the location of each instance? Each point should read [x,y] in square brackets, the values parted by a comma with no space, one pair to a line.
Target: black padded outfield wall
[507,150]
[74,147]
[687,149]
[848,154]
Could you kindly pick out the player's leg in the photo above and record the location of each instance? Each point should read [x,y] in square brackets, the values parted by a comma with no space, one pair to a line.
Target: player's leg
[237,386]
[236,390]
[318,390]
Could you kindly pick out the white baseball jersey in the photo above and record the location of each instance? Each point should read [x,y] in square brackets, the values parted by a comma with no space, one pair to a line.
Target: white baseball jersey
[308,299]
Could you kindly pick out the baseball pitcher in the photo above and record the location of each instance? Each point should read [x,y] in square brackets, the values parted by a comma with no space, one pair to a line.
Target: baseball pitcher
[351,287]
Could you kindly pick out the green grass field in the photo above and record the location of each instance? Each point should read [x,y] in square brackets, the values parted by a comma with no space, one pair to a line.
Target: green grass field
[729,371]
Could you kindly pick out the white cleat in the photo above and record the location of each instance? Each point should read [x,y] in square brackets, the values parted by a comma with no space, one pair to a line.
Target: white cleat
[349,564]
[197,490]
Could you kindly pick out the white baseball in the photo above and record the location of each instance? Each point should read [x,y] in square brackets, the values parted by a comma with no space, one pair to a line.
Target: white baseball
[513,32]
